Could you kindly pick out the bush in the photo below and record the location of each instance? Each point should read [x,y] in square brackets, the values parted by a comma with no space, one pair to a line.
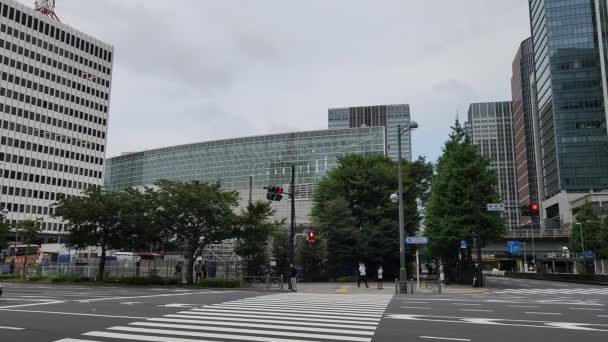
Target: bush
[8,276]
[219,283]
[69,278]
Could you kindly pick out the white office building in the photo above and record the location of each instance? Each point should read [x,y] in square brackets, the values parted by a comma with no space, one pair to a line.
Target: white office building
[54,98]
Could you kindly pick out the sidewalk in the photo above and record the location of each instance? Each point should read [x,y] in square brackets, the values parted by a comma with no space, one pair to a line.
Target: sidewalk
[389,288]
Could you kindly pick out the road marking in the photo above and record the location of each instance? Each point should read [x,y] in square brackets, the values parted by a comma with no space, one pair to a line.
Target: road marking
[333,308]
[416,307]
[11,328]
[467,304]
[179,305]
[72,314]
[74,340]
[33,304]
[417,302]
[314,313]
[154,296]
[444,338]
[131,303]
[561,285]
[543,313]
[209,320]
[228,317]
[524,306]
[476,310]
[176,339]
[602,316]
[589,309]
[241,337]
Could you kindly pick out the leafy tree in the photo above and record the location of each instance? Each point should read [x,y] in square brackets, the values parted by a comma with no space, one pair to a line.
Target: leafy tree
[280,251]
[254,233]
[312,257]
[95,220]
[602,252]
[196,214]
[463,184]
[28,231]
[589,222]
[141,231]
[352,209]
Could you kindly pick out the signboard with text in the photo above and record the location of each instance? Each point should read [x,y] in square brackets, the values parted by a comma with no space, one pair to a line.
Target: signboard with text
[417,240]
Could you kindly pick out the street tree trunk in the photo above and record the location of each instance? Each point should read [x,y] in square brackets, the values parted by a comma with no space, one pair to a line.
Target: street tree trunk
[102,263]
[25,260]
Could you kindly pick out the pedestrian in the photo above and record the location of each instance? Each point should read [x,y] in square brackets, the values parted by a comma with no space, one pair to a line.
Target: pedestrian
[205,270]
[198,269]
[362,275]
[293,276]
[380,277]
[11,267]
[178,270]
[477,274]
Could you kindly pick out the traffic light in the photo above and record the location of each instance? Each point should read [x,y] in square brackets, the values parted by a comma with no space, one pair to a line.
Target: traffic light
[274,193]
[312,237]
[530,210]
[534,209]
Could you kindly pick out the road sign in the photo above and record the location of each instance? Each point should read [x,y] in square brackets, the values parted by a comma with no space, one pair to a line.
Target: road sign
[417,240]
[513,247]
[496,207]
[463,244]
[588,254]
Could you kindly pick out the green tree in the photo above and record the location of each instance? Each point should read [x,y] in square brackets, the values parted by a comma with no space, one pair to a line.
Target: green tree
[140,229]
[589,222]
[29,231]
[254,235]
[351,207]
[280,251]
[312,258]
[95,220]
[197,214]
[463,184]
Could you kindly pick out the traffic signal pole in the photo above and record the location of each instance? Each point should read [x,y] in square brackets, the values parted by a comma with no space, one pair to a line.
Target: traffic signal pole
[292,229]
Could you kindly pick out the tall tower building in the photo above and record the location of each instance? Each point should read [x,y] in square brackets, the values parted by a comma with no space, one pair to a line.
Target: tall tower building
[491,129]
[525,127]
[54,100]
[569,42]
[387,116]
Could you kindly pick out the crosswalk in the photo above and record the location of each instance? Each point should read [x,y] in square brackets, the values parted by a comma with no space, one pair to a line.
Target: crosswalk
[555,291]
[272,318]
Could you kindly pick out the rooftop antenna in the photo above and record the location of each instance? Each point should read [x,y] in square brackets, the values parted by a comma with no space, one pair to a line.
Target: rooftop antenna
[46,7]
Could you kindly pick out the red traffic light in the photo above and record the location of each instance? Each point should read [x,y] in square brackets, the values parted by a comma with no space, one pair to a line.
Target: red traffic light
[311,235]
[534,207]
[279,190]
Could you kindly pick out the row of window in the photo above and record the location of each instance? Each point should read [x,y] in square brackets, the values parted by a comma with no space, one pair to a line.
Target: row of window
[25,52]
[49,91]
[55,32]
[54,78]
[30,146]
[22,208]
[44,226]
[48,180]
[48,165]
[29,193]
[581,104]
[40,133]
[50,106]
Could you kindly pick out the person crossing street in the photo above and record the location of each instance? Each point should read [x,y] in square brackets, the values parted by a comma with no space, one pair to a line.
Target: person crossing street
[362,275]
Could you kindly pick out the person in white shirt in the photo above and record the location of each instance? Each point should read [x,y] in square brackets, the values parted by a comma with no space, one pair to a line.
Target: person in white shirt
[362,274]
[380,276]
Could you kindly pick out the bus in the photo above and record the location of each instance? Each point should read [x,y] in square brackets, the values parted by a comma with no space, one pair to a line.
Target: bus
[33,253]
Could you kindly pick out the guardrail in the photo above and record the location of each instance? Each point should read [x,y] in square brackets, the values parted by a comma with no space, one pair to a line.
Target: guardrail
[537,233]
[412,287]
[267,282]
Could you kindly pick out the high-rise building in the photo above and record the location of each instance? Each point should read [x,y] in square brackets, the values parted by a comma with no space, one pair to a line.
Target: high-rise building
[387,116]
[569,42]
[525,127]
[54,99]
[490,127]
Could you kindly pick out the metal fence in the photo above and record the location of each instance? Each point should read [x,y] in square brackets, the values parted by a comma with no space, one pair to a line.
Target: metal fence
[412,287]
[267,282]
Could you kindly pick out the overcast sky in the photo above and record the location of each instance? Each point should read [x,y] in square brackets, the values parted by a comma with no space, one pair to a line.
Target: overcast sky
[197,70]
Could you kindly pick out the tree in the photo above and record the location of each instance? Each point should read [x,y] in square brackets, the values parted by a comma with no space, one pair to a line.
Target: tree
[195,213]
[351,207]
[95,220]
[589,222]
[28,231]
[463,184]
[312,257]
[280,251]
[4,233]
[254,233]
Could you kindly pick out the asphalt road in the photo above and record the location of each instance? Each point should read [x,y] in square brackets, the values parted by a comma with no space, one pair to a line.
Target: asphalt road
[513,310]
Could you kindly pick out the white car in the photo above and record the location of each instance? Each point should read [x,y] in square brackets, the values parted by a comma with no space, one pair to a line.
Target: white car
[0,289]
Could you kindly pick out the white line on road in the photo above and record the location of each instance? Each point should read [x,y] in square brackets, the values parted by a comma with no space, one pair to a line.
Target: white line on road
[416,307]
[417,302]
[476,310]
[72,314]
[33,304]
[562,285]
[588,309]
[444,338]
[74,340]
[11,328]
[154,296]
[524,306]
[467,304]
[543,313]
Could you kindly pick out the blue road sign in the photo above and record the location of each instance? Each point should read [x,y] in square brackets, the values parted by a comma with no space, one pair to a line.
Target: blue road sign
[513,247]
[588,254]
[417,240]
[463,244]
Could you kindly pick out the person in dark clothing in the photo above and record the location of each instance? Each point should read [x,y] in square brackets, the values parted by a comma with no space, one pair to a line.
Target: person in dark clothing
[293,277]
[477,276]
[198,270]
[11,267]
[205,270]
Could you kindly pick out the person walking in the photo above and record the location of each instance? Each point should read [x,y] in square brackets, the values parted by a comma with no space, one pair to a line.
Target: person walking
[205,270]
[293,278]
[380,277]
[178,271]
[362,275]
[198,269]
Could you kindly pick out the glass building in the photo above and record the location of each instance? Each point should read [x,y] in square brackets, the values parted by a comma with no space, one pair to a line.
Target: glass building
[387,116]
[263,160]
[490,127]
[569,41]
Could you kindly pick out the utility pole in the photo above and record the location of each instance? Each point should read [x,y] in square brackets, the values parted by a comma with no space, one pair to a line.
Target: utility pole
[476,235]
[250,188]
[292,230]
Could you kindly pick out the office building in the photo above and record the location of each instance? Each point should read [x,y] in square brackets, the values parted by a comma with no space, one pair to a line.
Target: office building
[490,127]
[54,99]
[524,128]
[266,159]
[387,116]
[569,42]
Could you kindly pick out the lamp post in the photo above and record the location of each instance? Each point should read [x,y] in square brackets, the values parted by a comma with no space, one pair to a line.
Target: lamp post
[5,212]
[400,132]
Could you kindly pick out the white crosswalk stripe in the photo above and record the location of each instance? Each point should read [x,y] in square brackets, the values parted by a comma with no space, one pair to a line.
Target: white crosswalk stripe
[563,291]
[273,318]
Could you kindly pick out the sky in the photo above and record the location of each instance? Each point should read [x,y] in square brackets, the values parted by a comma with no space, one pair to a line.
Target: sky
[198,70]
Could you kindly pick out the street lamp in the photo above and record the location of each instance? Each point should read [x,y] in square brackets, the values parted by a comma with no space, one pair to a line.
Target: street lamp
[400,132]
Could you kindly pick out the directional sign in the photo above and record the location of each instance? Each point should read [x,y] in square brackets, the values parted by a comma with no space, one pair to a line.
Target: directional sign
[463,244]
[513,247]
[496,207]
[417,240]
[588,254]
